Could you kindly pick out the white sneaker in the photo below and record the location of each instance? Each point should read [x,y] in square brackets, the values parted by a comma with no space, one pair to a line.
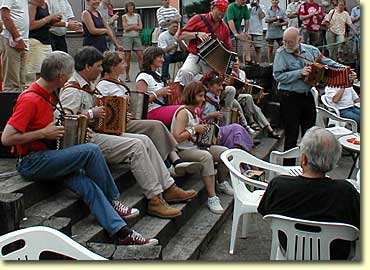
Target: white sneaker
[225,187]
[173,172]
[214,205]
[250,130]
[188,168]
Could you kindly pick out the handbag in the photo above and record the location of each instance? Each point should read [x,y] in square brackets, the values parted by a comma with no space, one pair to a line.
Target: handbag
[326,23]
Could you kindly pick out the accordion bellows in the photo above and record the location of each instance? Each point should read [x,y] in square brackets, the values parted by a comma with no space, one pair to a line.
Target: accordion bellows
[75,129]
[115,118]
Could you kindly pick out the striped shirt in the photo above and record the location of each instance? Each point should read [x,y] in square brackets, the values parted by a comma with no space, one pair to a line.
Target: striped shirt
[164,14]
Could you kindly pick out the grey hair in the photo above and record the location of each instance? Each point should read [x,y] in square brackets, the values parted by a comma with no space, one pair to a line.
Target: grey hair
[321,148]
[55,64]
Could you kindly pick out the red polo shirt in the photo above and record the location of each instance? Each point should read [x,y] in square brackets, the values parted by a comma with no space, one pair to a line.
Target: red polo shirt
[196,24]
[32,112]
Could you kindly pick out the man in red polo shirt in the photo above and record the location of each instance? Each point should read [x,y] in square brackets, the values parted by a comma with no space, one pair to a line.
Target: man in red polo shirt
[196,32]
[82,167]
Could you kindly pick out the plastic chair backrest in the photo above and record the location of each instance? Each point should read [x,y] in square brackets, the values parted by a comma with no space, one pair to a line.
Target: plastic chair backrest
[277,157]
[328,106]
[315,95]
[307,245]
[323,114]
[36,240]
[358,179]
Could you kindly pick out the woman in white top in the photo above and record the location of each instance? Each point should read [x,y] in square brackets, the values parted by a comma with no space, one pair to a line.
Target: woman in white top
[113,66]
[185,127]
[337,18]
[344,100]
[150,81]
[131,40]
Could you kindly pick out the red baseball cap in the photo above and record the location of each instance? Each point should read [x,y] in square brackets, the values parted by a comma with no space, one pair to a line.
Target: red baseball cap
[221,5]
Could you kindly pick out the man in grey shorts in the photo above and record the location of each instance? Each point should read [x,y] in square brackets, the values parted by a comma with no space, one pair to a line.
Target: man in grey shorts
[256,28]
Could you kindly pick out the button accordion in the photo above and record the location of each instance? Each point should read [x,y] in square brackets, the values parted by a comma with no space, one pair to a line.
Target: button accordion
[115,118]
[330,76]
[215,54]
[75,130]
[139,103]
[209,137]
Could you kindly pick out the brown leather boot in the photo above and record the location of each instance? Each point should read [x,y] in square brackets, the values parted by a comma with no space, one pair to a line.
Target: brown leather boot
[157,206]
[176,194]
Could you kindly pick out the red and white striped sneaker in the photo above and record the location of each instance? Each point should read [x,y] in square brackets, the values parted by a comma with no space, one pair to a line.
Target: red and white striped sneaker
[125,211]
[135,238]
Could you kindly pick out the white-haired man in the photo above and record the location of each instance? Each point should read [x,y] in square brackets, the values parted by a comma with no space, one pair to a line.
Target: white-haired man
[313,195]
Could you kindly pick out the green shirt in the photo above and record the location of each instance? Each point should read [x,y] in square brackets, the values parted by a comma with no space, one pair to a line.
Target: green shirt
[237,14]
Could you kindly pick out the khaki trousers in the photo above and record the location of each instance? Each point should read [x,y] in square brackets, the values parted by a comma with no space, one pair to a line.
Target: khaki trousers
[139,152]
[14,66]
[157,132]
[206,158]
[252,111]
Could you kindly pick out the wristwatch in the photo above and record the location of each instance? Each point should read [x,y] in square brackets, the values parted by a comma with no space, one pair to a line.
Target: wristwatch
[196,34]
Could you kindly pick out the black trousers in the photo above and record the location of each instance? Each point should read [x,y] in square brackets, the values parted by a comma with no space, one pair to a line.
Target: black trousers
[58,43]
[298,111]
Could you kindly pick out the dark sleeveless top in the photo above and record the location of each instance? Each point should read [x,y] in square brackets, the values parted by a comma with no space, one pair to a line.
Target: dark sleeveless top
[41,34]
[97,41]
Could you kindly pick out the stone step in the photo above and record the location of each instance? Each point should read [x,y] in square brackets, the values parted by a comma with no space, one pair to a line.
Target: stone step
[88,230]
[192,238]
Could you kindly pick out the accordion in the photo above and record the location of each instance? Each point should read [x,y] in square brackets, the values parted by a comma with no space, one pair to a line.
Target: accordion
[115,118]
[255,91]
[75,130]
[176,97]
[230,116]
[139,103]
[217,56]
[330,76]
[209,137]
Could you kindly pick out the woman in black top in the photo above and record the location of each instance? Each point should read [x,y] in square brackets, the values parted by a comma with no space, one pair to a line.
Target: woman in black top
[96,28]
[40,22]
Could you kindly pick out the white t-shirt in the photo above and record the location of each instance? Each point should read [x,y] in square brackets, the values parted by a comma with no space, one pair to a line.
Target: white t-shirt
[153,86]
[165,39]
[111,89]
[20,16]
[192,121]
[346,101]
[62,7]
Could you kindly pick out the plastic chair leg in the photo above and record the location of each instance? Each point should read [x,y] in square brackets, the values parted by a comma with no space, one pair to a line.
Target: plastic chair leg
[234,229]
[246,217]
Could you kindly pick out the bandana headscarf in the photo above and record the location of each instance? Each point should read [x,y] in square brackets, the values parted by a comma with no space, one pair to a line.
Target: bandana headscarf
[221,5]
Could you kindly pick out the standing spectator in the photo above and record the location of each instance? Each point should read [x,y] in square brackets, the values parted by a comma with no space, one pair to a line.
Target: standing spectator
[256,28]
[132,25]
[337,19]
[235,14]
[106,10]
[292,13]
[310,13]
[169,43]
[275,19]
[313,195]
[356,20]
[57,35]
[96,28]
[297,103]
[40,47]
[165,14]
[14,42]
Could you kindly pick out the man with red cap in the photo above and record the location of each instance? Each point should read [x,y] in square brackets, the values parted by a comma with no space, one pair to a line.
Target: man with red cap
[199,29]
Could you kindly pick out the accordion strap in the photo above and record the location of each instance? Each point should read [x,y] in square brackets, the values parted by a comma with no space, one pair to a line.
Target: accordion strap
[210,28]
[117,82]
[76,85]
[318,58]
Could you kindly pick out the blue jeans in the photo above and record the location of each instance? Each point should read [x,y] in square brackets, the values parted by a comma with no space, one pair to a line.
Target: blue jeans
[352,113]
[83,170]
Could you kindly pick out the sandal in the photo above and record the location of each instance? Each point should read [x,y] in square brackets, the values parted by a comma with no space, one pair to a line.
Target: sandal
[255,126]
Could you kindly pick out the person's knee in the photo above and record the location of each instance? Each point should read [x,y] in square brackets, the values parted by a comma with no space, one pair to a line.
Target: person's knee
[206,158]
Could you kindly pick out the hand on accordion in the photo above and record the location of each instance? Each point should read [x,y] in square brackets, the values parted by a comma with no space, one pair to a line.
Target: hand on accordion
[89,135]
[99,112]
[306,70]
[52,132]
[165,91]
[216,114]
[352,76]
[200,129]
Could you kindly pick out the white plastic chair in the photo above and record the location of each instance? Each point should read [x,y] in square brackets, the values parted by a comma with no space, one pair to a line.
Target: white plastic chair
[328,106]
[306,245]
[337,130]
[315,94]
[358,179]
[245,201]
[277,157]
[39,239]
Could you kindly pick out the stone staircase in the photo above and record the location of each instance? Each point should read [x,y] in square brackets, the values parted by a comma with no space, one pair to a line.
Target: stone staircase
[181,238]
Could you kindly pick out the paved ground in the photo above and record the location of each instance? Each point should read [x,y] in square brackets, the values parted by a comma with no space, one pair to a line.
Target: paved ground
[256,247]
